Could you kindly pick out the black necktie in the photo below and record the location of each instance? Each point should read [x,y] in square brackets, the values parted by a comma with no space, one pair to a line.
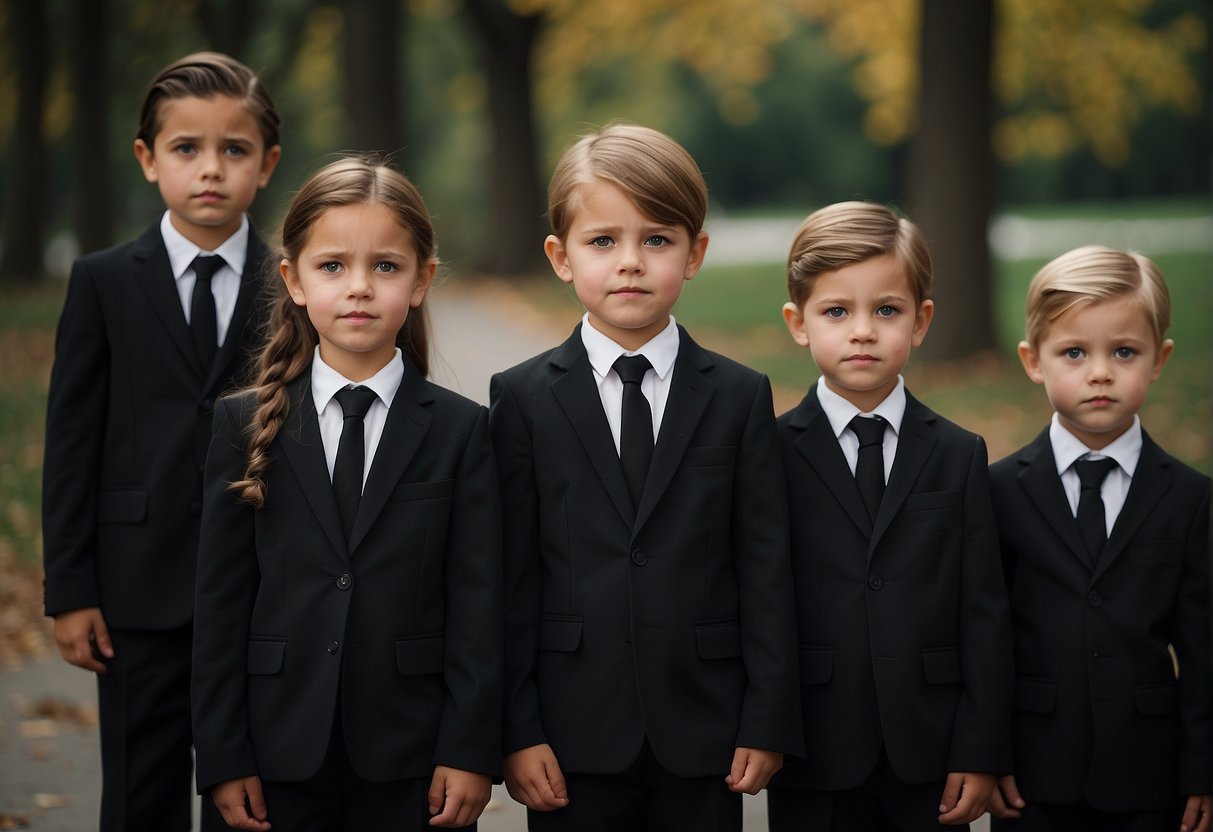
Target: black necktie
[1092,520]
[351,453]
[869,469]
[203,323]
[636,424]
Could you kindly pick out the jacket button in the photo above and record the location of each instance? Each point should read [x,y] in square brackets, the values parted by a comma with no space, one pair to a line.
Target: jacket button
[875,582]
[639,557]
[1094,598]
[344,581]
[332,648]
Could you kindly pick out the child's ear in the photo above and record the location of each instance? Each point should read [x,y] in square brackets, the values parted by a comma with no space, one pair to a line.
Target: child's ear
[268,163]
[1031,362]
[558,256]
[425,278]
[294,286]
[699,248]
[922,322]
[793,316]
[1160,360]
[147,160]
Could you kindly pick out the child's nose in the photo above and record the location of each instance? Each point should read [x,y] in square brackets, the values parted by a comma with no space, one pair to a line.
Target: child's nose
[629,259]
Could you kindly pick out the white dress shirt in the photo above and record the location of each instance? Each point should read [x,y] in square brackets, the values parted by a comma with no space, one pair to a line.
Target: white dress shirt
[326,382]
[225,285]
[1125,450]
[840,412]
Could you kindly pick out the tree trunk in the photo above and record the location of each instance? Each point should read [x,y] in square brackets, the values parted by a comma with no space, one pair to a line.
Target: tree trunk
[21,235]
[517,206]
[951,176]
[227,24]
[373,77]
[94,191]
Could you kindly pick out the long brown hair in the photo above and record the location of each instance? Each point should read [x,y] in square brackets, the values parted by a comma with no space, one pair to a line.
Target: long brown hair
[291,339]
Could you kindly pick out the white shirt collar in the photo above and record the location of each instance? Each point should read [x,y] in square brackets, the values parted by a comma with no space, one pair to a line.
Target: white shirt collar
[181,252]
[661,350]
[1125,449]
[326,381]
[840,412]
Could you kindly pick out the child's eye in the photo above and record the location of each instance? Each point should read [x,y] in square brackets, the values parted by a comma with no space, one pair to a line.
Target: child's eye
[657,241]
[331,267]
[185,149]
[235,150]
[835,312]
[1074,353]
[601,242]
[886,311]
[385,267]
[1124,352]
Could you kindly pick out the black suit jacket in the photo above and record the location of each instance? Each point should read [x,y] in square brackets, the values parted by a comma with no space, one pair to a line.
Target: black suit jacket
[404,620]
[671,622]
[903,623]
[1099,713]
[127,428]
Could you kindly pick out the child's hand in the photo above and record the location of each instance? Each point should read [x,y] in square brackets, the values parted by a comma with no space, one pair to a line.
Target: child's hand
[1196,814]
[1006,801]
[965,796]
[752,769]
[457,797]
[83,638]
[533,778]
[241,803]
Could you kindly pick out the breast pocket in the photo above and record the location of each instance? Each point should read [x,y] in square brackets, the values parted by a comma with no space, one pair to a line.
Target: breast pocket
[434,490]
[933,501]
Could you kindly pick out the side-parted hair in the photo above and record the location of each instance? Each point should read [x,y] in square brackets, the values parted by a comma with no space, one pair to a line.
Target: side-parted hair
[845,233]
[655,172]
[206,75]
[1091,274]
[290,340]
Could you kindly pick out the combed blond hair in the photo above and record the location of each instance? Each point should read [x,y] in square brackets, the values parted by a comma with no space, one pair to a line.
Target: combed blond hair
[655,172]
[845,233]
[1091,274]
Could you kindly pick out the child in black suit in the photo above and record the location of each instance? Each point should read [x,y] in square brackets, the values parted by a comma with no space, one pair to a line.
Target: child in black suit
[347,648]
[905,661]
[1105,540]
[151,332]
[650,675]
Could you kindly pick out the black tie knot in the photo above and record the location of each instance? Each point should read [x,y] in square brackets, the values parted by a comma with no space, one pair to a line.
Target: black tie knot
[631,368]
[355,401]
[868,429]
[1091,472]
[205,266]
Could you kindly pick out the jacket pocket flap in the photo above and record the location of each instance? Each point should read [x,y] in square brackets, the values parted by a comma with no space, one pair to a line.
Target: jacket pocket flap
[420,655]
[436,490]
[562,635]
[932,500]
[121,506]
[941,667]
[1155,700]
[816,665]
[265,658]
[709,455]
[1035,696]
[718,641]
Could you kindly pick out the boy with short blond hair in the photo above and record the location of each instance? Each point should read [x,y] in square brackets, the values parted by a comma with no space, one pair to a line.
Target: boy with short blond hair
[905,655]
[1105,547]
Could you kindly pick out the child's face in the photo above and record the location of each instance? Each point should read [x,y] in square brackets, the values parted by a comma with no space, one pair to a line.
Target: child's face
[358,275]
[1096,362]
[860,322]
[209,161]
[627,269]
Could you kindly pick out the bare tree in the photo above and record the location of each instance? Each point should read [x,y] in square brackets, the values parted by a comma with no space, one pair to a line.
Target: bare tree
[22,234]
[373,76]
[93,180]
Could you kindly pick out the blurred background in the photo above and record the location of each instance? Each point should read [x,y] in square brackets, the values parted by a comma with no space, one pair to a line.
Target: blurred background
[1010,130]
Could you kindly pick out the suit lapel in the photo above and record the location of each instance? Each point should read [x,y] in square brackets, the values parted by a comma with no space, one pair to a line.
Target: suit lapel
[915,441]
[820,448]
[1151,482]
[578,396]
[690,392]
[408,421]
[154,274]
[250,288]
[304,451]
[1040,482]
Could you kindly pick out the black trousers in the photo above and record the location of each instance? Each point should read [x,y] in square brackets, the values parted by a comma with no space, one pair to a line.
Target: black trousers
[645,796]
[143,708]
[1081,817]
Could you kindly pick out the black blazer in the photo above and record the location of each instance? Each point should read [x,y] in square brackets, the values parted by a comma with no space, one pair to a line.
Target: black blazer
[402,626]
[672,622]
[127,427]
[1099,713]
[903,623]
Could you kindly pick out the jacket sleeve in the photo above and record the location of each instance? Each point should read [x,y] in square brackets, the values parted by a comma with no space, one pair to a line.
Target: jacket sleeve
[227,583]
[75,433]
[1190,636]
